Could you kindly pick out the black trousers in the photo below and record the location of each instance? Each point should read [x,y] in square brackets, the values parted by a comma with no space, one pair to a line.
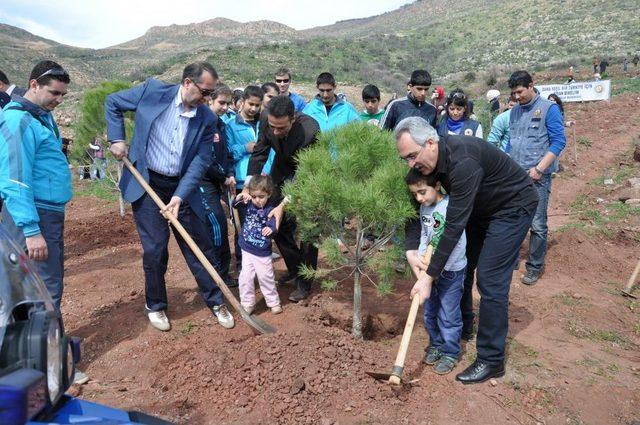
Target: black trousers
[294,256]
[492,248]
[154,236]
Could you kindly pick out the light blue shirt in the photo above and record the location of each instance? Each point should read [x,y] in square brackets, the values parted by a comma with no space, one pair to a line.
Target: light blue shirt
[166,138]
[499,134]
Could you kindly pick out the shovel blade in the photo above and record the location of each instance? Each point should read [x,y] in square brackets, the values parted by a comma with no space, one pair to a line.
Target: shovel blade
[380,376]
[258,325]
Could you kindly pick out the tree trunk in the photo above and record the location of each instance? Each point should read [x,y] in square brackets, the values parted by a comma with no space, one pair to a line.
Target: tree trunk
[357,306]
[356,330]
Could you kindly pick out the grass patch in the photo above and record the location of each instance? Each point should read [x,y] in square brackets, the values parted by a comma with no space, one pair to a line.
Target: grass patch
[584,141]
[566,299]
[603,219]
[631,85]
[623,173]
[579,330]
[101,189]
[187,327]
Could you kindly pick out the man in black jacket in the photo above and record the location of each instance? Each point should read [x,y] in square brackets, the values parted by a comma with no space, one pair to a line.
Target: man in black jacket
[414,104]
[286,133]
[494,200]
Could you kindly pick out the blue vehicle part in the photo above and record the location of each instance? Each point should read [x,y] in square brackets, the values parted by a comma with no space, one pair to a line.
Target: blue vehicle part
[75,411]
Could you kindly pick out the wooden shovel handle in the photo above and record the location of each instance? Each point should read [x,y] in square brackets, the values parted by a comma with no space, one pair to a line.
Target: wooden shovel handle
[632,279]
[196,250]
[398,367]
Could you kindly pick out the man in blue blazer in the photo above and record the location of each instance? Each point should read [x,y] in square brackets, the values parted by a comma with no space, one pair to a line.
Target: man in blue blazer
[171,147]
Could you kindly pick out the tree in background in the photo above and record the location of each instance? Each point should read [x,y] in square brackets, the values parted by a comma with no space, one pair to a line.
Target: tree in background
[91,125]
[352,175]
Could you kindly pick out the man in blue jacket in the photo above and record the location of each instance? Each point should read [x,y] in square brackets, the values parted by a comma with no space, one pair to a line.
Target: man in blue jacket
[537,138]
[283,81]
[172,148]
[35,181]
[327,108]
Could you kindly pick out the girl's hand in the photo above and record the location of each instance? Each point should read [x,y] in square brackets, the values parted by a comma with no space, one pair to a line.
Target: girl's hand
[266,231]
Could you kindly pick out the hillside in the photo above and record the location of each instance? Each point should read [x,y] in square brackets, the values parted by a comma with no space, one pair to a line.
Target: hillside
[447,38]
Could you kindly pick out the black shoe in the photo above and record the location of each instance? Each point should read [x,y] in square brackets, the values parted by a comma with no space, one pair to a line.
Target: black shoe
[298,295]
[530,278]
[287,278]
[480,371]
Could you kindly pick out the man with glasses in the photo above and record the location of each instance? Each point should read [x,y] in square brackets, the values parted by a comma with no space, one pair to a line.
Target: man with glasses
[283,81]
[493,200]
[35,181]
[172,148]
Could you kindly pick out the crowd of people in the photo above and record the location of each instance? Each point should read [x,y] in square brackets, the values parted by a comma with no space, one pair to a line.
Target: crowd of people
[200,145]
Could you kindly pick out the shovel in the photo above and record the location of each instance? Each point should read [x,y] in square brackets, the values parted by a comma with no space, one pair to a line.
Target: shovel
[257,324]
[632,280]
[233,215]
[395,377]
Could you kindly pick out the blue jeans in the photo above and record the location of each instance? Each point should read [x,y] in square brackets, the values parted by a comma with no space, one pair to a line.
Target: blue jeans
[442,314]
[51,270]
[539,228]
[217,225]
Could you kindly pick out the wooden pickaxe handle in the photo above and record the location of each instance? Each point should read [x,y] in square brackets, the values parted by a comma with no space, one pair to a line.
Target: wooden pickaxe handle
[398,367]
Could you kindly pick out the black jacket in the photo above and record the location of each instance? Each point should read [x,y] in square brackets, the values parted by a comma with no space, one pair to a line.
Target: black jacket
[222,165]
[303,133]
[482,182]
[406,107]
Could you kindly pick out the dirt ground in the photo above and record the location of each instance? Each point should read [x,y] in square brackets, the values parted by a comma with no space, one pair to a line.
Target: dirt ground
[572,347]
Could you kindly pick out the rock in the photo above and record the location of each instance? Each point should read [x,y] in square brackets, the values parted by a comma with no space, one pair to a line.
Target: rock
[327,421]
[576,296]
[608,181]
[493,382]
[242,401]
[632,201]
[634,182]
[297,386]
[629,193]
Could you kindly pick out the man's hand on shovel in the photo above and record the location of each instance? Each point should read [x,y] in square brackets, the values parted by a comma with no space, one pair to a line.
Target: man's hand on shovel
[172,207]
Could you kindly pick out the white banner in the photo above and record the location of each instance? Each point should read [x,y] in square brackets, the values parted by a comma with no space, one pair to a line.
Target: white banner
[578,91]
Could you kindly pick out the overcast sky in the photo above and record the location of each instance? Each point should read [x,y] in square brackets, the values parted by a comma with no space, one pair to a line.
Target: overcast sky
[103,23]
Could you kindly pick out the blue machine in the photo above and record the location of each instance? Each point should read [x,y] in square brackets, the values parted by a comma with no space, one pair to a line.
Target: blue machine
[37,359]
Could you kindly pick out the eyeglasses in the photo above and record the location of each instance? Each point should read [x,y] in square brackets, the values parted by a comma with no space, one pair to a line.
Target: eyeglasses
[54,72]
[282,80]
[203,92]
[412,156]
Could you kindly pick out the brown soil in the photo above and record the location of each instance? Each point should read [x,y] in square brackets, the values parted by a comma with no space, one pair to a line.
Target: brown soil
[572,347]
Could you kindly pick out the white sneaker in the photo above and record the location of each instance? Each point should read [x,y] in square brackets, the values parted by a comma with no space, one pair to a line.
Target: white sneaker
[158,319]
[276,309]
[224,317]
[80,378]
[249,309]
